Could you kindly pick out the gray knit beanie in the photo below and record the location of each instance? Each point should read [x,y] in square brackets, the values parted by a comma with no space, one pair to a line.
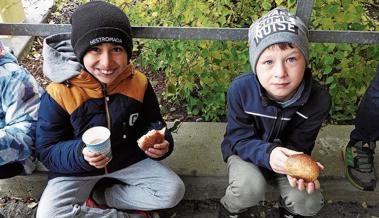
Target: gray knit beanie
[277,26]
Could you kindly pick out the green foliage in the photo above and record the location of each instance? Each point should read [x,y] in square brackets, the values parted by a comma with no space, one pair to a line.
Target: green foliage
[198,73]
[346,69]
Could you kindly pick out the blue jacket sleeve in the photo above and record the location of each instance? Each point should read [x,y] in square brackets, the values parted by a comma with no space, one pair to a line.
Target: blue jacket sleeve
[241,137]
[56,146]
[20,96]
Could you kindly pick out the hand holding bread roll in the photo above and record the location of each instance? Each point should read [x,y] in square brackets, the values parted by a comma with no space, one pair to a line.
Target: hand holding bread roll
[302,166]
[151,138]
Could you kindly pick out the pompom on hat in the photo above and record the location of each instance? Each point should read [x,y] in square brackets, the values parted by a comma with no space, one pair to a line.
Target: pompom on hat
[277,26]
[99,22]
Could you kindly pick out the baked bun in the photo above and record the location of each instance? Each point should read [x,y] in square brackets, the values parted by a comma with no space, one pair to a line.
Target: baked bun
[302,166]
[151,138]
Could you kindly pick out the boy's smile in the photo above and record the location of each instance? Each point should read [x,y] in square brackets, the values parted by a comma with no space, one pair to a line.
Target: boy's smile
[106,61]
[280,71]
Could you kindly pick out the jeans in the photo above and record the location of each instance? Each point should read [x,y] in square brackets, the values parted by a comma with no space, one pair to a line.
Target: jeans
[247,187]
[367,118]
[146,185]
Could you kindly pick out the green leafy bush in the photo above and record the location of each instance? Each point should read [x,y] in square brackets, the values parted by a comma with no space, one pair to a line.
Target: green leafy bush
[346,69]
[198,72]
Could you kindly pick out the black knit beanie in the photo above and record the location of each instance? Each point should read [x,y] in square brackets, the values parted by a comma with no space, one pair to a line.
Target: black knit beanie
[97,22]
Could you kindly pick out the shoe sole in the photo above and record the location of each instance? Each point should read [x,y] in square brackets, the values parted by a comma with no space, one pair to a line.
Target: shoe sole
[346,172]
[147,214]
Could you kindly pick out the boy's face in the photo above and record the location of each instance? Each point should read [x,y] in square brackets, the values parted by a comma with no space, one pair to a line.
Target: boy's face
[106,61]
[280,71]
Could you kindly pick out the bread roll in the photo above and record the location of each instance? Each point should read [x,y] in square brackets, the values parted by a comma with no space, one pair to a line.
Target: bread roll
[302,166]
[151,138]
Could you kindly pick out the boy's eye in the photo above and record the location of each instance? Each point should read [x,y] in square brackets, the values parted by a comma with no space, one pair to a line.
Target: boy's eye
[268,62]
[118,49]
[291,59]
[94,48]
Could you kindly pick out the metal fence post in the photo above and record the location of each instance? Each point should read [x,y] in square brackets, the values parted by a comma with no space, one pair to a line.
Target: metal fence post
[304,10]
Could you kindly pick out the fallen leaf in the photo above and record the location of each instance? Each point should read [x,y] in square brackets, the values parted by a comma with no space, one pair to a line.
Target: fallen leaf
[364,204]
[32,205]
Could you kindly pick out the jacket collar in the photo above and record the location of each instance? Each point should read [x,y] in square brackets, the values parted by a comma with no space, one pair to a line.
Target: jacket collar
[87,80]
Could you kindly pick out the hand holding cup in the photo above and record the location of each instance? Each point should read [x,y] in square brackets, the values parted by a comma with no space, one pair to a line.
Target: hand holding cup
[98,146]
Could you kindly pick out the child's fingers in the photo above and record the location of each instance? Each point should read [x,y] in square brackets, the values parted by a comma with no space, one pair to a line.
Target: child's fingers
[152,154]
[300,184]
[88,154]
[310,187]
[101,163]
[320,165]
[317,184]
[162,146]
[292,181]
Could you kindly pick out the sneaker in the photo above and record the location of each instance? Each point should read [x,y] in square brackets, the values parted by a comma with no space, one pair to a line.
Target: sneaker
[10,170]
[249,213]
[147,214]
[359,164]
[284,213]
[90,203]
[97,197]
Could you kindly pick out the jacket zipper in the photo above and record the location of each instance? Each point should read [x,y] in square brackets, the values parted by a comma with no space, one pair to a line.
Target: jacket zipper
[275,130]
[107,114]
[106,99]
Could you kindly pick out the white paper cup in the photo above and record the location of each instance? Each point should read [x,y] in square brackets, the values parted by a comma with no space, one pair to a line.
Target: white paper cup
[97,140]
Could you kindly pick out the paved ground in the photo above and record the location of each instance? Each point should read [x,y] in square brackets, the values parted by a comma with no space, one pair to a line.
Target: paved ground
[331,210]
[208,209]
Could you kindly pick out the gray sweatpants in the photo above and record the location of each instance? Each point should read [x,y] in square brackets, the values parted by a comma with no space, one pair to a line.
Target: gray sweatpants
[247,187]
[148,185]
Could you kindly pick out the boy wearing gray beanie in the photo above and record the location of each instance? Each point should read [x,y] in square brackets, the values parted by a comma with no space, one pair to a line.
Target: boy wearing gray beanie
[273,112]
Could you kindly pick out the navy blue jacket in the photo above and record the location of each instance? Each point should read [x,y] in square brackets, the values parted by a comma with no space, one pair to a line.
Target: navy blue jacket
[256,125]
[75,102]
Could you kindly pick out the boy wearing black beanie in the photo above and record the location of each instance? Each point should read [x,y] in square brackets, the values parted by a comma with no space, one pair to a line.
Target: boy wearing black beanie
[96,85]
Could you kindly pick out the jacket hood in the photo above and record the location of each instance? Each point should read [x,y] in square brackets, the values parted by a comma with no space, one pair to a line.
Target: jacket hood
[60,63]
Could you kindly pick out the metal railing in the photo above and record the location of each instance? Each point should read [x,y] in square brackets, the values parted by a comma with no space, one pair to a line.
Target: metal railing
[303,10]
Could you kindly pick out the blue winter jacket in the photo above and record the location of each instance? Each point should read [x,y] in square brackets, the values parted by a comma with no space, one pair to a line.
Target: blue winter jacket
[19,98]
[256,125]
[77,101]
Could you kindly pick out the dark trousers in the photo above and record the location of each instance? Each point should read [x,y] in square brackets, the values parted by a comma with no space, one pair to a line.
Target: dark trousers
[10,170]
[367,119]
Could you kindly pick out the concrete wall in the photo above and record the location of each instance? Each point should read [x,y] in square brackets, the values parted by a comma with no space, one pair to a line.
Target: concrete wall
[198,153]
[197,158]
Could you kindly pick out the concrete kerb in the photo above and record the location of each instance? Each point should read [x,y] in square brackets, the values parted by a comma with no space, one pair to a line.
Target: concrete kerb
[197,159]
